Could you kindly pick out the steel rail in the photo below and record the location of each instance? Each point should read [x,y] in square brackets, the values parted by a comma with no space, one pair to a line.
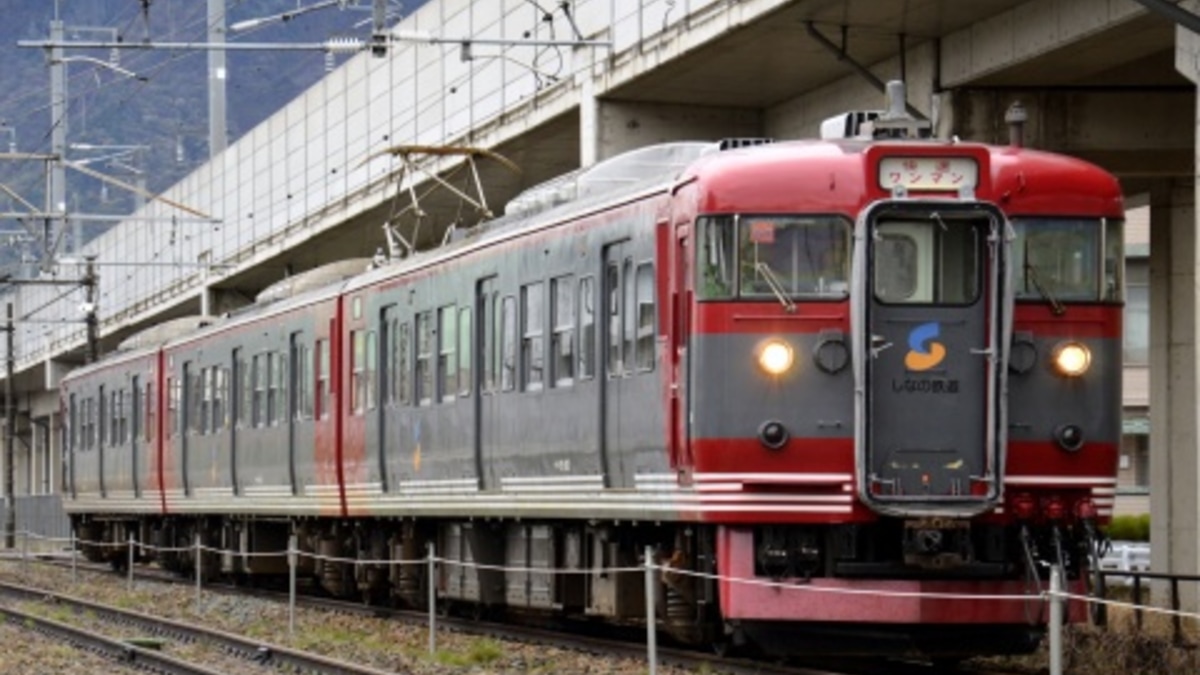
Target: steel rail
[252,650]
[128,654]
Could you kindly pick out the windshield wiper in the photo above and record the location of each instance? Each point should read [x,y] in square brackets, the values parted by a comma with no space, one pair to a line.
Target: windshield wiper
[1056,306]
[777,288]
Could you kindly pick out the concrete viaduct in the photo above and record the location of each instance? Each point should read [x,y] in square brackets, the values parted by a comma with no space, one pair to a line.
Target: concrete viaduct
[1111,81]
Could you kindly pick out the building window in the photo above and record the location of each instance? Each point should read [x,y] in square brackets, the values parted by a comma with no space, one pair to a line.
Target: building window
[1137,314]
[562,341]
[532,356]
[447,357]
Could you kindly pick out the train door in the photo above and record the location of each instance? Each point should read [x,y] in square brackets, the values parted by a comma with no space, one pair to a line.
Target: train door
[681,303]
[933,292]
[486,378]
[617,351]
[378,428]
[299,384]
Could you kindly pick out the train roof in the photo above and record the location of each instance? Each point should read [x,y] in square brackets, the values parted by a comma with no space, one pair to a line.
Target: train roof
[634,175]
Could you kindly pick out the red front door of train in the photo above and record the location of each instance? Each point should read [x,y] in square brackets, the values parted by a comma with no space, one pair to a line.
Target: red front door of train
[931,296]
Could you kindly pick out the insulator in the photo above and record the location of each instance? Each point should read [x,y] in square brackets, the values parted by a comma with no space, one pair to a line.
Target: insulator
[343,45]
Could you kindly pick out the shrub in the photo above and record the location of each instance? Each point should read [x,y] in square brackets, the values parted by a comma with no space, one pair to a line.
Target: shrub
[1129,528]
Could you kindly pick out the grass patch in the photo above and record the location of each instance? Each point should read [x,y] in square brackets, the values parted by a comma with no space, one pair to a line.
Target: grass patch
[481,652]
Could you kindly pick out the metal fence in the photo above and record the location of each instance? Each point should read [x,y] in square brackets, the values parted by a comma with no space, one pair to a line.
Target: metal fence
[41,515]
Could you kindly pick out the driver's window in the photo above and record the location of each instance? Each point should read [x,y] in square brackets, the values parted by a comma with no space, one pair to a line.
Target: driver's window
[924,262]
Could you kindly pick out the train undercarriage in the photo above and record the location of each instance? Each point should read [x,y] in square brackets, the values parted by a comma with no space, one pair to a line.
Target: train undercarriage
[493,567]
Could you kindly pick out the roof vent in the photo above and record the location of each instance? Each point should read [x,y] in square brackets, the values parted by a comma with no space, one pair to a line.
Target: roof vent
[848,125]
[165,332]
[735,143]
[314,278]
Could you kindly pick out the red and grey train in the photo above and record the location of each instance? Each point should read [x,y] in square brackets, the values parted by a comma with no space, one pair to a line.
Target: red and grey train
[878,378]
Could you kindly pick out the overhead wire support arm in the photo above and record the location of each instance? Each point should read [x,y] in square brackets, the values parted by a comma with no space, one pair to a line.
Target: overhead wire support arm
[339,44]
[843,55]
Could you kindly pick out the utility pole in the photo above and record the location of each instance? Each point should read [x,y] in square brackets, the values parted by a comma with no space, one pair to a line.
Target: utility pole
[217,135]
[10,430]
[56,191]
[92,352]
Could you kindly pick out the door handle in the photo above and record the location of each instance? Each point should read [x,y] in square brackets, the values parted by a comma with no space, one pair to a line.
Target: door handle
[878,344]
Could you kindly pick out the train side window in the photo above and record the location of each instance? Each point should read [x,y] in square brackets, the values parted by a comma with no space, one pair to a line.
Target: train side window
[304,381]
[644,281]
[715,252]
[358,375]
[122,417]
[170,411]
[72,433]
[91,422]
[447,364]
[508,343]
[629,316]
[424,324]
[587,328]
[246,370]
[562,340]
[491,332]
[279,379]
[151,412]
[532,357]
[102,421]
[322,394]
[204,421]
[372,369]
[404,365]
[114,416]
[464,351]
[612,287]
[220,395]
[259,377]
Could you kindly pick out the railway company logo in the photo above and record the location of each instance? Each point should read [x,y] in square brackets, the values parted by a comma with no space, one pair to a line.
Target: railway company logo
[924,351]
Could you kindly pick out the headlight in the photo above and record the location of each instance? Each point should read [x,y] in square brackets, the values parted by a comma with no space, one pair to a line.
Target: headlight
[1072,359]
[775,357]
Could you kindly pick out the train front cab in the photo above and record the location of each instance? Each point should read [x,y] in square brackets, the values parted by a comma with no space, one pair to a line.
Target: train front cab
[927,548]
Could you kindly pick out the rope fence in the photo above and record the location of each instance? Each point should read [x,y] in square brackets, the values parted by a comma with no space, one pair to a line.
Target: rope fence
[1053,595]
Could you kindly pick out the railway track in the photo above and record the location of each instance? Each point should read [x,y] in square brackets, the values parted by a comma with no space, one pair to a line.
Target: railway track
[251,652]
[628,644]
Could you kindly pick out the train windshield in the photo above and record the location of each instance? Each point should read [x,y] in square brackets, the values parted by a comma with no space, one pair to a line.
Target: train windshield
[766,257]
[1071,259]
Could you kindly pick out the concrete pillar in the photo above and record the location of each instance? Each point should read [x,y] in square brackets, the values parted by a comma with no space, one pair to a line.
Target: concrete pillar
[1174,370]
[1175,381]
